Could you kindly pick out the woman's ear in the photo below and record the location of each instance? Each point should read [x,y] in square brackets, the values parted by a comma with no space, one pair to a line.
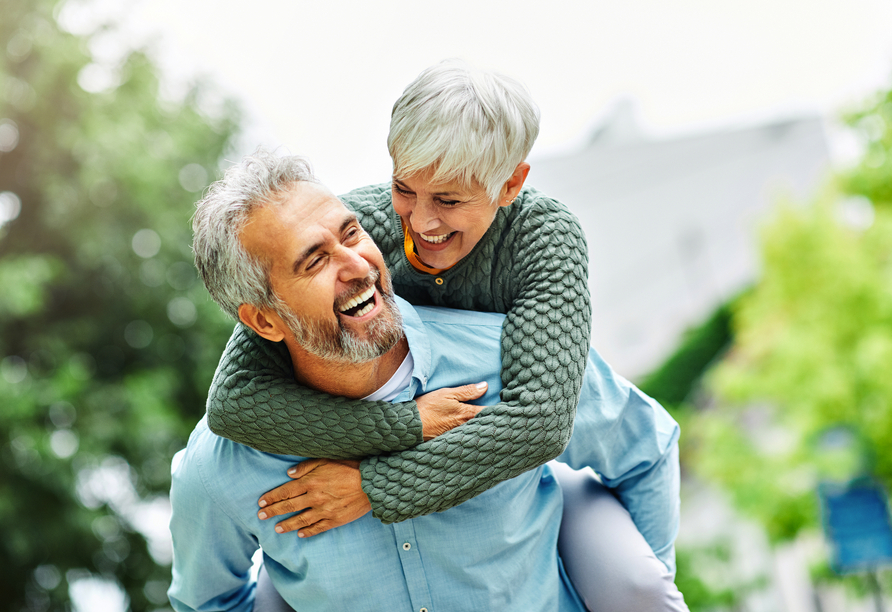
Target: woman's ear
[514,184]
[266,324]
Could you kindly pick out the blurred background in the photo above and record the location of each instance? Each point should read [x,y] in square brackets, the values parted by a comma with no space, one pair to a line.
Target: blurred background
[730,163]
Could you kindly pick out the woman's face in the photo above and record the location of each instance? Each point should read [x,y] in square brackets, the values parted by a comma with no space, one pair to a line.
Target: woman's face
[445,220]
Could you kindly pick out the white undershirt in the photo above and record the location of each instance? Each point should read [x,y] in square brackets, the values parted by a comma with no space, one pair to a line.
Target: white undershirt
[399,381]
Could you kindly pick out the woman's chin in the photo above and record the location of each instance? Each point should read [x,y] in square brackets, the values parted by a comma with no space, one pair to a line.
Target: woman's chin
[437,259]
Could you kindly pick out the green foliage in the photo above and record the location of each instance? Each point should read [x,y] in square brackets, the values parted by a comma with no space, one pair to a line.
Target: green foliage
[107,339]
[805,393]
[674,380]
[870,178]
[691,566]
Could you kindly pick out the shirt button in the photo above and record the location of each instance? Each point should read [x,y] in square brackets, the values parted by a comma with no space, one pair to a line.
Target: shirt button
[423,610]
[407,546]
[439,281]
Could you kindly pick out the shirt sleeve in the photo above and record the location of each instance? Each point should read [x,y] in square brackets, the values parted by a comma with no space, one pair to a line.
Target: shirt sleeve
[212,552]
[544,344]
[631,442]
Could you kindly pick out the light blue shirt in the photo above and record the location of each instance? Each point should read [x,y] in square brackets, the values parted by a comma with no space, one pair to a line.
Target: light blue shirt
[495,551]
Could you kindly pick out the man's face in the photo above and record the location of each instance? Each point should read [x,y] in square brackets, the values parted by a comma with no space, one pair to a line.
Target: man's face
[336,294]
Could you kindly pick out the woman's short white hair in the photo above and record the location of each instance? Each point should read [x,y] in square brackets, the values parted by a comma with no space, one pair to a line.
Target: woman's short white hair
[465,124]
[232,275]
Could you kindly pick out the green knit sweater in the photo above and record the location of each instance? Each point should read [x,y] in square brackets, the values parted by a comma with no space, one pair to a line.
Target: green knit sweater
[532,264]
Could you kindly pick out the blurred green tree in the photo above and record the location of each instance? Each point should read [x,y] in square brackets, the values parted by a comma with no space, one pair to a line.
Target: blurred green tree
[805,392]
[107,340]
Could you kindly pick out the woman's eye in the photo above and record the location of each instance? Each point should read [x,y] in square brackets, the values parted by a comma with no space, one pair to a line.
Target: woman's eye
[447,203]
[400,191]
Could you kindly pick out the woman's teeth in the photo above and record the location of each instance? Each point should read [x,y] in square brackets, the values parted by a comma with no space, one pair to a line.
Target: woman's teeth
[436,239]
[359,299]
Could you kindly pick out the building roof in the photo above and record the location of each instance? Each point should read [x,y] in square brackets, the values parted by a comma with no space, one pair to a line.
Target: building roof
[672,223]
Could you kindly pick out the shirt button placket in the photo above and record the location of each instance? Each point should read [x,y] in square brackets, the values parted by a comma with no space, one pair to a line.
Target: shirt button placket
[413,568]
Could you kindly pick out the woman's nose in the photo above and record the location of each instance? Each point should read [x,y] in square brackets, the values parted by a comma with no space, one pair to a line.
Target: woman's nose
[423,217]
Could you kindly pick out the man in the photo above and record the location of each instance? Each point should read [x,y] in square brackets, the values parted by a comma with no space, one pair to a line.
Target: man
[315,281]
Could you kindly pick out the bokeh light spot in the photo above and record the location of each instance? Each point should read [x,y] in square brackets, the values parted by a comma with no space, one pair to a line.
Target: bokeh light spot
[9,135]
[64,443]
[13,369]
[146,243]
[47,576]
[63,414]
[138,334]
[10,206]
[96,78]
[193,177]
[181,311]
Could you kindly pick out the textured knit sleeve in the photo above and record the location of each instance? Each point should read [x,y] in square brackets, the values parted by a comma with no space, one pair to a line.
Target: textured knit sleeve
[543,267]
[254,400]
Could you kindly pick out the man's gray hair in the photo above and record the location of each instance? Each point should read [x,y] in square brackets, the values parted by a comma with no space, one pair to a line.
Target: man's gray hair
[232,275]
[469,125]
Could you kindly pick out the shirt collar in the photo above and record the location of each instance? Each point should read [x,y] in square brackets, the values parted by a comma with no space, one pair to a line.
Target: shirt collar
[419,345]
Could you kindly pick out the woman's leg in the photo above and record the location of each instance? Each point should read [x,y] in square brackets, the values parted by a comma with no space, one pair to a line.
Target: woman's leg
[604,554]
[267,598]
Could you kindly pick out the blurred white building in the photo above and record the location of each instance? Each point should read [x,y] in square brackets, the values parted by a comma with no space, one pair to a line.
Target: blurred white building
[672,223]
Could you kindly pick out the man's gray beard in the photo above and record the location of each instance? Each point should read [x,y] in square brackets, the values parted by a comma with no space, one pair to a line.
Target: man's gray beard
[331,341]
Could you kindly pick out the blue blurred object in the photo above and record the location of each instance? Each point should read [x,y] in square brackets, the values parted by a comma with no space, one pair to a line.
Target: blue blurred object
[856,521]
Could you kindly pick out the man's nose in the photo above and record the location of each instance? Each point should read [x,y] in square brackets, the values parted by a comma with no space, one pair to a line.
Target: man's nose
[353,265]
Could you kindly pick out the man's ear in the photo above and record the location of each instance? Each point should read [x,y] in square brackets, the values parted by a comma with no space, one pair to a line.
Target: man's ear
[513,185]
[267,324]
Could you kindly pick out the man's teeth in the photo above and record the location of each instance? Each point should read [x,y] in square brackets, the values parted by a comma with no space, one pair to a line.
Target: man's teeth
[359,299]
[436,239]
[364,311]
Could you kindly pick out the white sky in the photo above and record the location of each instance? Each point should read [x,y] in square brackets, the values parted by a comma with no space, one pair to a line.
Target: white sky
[321,77]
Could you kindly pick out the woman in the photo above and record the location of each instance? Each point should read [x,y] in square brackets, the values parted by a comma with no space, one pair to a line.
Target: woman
[457,228]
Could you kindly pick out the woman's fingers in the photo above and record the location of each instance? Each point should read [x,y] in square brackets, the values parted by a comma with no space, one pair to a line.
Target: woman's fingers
[466,393]
[444,409]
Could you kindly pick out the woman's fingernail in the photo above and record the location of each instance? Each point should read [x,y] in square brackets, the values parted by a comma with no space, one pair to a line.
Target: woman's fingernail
[481,385]
[292,471]
[262,515]
[280,529]
[262,503]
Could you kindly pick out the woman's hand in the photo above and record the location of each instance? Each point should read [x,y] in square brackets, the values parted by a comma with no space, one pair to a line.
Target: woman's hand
[329,493]
[441,410]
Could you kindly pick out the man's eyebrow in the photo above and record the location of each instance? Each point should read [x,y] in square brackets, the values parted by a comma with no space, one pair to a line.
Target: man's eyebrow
[349,220]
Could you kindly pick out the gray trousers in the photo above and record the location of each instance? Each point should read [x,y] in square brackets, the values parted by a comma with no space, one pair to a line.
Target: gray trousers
[610,564]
